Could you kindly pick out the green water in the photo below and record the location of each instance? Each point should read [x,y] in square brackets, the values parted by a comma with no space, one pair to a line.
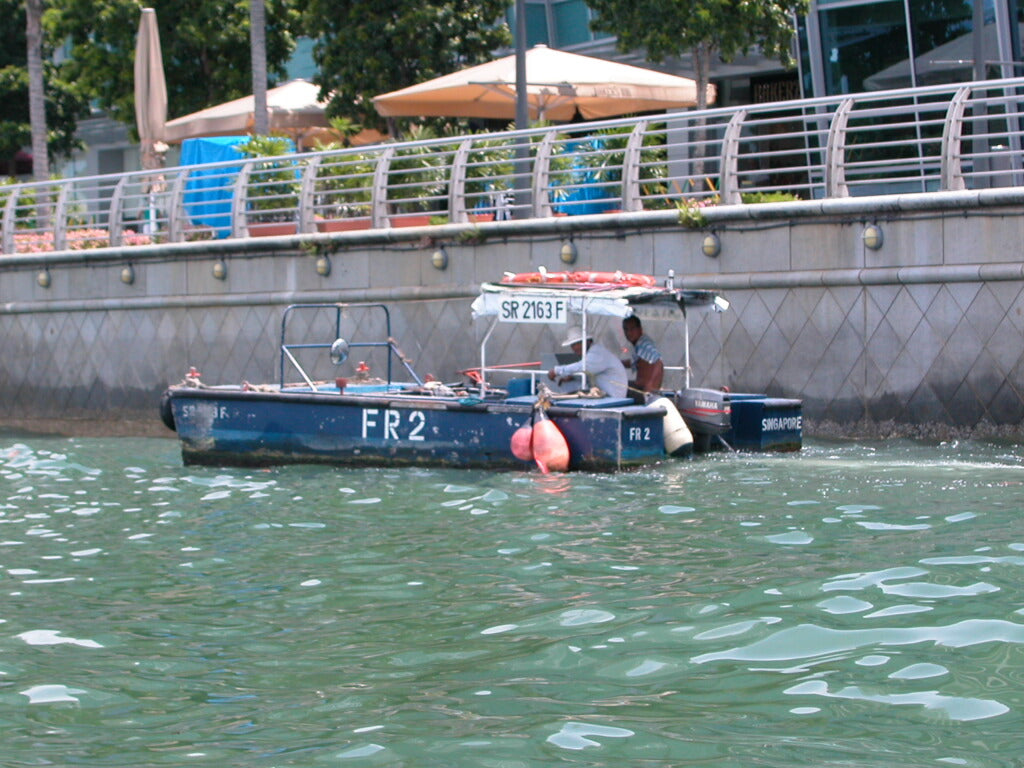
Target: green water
[853,605]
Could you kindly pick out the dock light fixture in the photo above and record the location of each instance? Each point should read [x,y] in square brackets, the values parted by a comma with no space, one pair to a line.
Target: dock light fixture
[220,269]
[127,274]
[873,237]
[43,278]
[440,258]
[323,266]
[568,253]
[711,246]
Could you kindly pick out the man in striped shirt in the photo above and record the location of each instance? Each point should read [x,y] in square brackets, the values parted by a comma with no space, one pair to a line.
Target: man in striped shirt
[646,360]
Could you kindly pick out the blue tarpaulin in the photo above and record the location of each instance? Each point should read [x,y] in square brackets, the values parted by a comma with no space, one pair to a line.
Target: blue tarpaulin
[573,193]
[208,191]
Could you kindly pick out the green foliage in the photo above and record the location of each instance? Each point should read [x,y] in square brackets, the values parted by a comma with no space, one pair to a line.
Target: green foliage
[488,167]
[205,45]
[418,177]
[691,212]
[273,184]
[666,28]
[368,47]
[344,183]
[768,197]
[65,102]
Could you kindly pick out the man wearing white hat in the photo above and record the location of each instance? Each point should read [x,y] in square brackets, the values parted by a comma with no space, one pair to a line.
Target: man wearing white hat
[603,367]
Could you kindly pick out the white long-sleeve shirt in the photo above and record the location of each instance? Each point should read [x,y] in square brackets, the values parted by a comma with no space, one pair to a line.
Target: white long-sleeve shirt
[605,370]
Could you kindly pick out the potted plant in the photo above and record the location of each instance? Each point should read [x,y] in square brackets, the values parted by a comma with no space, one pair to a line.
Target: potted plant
[489,167]
[272,197]
[418,182]
[343,189]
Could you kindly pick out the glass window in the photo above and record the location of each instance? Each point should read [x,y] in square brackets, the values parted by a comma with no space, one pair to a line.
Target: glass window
[572,23]
[804,51]
[537,25]
[944,41]
[862,42]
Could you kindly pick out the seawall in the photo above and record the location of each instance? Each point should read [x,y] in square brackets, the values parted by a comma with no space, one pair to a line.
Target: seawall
[921,336]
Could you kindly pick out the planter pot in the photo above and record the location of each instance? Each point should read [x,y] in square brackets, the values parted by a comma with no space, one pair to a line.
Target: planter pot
[343,225]
[410,220]
[481,217]
[273,229]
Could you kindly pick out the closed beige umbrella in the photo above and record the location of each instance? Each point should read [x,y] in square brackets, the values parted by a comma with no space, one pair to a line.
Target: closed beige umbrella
[558,85]
[150,91]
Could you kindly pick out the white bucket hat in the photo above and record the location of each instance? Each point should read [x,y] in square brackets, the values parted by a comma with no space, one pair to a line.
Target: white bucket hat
[573,335]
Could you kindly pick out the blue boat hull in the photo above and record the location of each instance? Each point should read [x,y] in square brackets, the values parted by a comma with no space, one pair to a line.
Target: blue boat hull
[250,428]
[761,423]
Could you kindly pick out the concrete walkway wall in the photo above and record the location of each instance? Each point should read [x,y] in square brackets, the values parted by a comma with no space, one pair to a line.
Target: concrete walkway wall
[921,336]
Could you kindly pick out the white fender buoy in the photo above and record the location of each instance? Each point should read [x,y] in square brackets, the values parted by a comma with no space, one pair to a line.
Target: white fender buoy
[550,449]
[678,439]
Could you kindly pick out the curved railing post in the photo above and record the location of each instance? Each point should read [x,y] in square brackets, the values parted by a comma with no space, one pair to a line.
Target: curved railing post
[631,198]
[457,184]
[115,225]
[60,218]
[835,151]
[379,195]
[951,175]
[10,210]
[730,182]
[307,194]
[176,214]
[239,200]
[542,176]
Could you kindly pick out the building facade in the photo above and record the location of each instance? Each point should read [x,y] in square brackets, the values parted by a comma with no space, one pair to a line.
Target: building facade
[851,46]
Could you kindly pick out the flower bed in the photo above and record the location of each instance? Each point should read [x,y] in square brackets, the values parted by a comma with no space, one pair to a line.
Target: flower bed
[77,240]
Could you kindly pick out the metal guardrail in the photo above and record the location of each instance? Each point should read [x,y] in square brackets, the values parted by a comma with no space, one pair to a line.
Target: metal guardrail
[952,137]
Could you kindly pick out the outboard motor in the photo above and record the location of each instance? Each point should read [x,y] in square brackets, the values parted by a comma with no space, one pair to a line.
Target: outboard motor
[707,412]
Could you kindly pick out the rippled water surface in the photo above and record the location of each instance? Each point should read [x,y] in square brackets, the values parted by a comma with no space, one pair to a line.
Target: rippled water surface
[853,605]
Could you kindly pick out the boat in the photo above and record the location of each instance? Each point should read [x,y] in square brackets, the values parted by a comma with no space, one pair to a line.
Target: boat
[496,416]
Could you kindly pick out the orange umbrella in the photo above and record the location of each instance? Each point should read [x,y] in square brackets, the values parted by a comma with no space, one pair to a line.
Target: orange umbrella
[558,85]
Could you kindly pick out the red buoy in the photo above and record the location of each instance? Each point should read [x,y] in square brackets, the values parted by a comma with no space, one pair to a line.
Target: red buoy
[522,442]
[550,449]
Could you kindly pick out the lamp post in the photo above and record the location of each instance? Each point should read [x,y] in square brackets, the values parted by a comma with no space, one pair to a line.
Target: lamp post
[522,106]
[523,202]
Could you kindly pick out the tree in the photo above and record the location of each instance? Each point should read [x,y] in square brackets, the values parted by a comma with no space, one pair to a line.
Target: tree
[206,48]
[36,95]
[63,103]
[258,46]
[704,28]
[367,47]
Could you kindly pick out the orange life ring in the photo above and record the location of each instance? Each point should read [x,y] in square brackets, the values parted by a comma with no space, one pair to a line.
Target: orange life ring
[630,279]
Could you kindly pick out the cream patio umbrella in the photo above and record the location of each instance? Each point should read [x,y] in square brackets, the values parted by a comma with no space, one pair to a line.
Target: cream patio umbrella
[150,91]
[558,85]
[294,109]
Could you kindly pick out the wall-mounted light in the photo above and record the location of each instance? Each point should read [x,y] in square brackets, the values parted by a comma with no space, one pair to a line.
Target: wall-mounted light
[568,253]
[439,258]
[711,246]
[323,266]
[43,278]
[127,274]
[873,237]
[220,270]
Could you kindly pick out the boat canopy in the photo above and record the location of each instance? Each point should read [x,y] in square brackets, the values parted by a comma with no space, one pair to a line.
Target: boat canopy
[552,302]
